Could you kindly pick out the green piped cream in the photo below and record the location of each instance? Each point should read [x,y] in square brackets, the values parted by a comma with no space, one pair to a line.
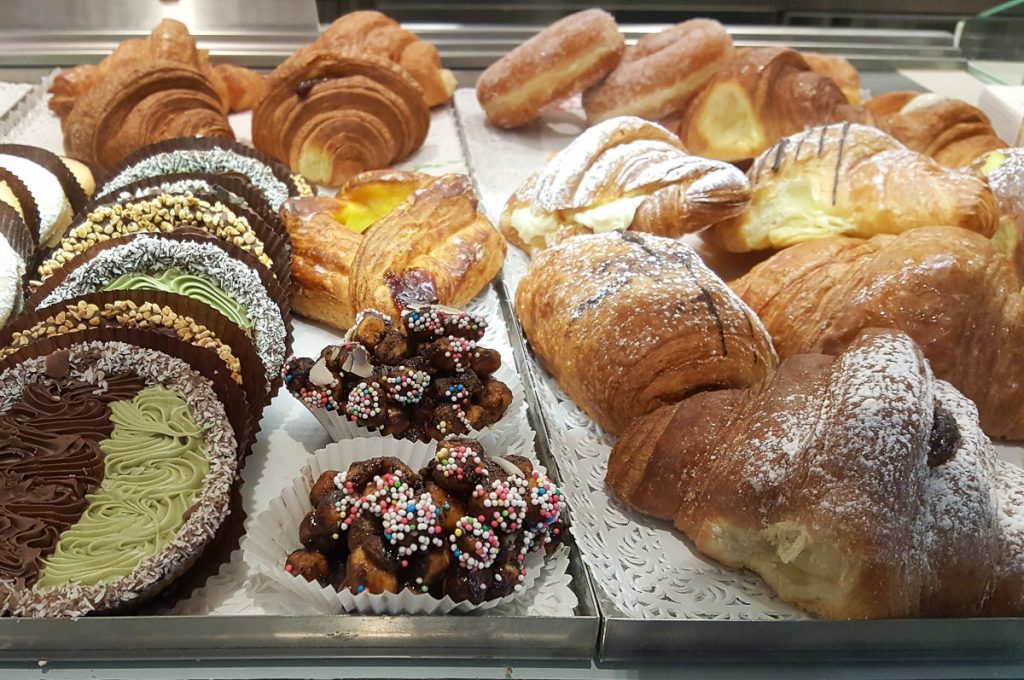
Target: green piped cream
[195,287]
[154,472]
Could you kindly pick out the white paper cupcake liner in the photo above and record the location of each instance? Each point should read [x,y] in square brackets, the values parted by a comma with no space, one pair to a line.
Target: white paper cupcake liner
[275,533]
[508,433]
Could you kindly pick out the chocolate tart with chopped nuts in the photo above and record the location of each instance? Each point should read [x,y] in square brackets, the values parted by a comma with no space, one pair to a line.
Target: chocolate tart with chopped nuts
[179,316]
[119,460]
[167,212]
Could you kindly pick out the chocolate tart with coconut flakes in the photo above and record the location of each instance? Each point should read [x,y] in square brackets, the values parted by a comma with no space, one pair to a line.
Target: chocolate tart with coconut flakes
[271,179]
[216,273]
[117,462]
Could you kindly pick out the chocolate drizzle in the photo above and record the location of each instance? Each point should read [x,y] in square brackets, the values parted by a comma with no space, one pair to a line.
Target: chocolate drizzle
[944,438]
[839,160]
[304,87]
[49,460]
[411,287]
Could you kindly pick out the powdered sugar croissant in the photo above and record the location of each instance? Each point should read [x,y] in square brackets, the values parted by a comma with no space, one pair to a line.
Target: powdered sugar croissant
[857,486]
[624,173]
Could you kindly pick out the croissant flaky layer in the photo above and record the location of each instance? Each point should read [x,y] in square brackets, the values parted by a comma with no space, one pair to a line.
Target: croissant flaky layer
[811,478]
[137,106]
[948,288]
[331,115]
[951,131]
[373,32]
[627,322]
[434,246]
[623,173]
[851,180]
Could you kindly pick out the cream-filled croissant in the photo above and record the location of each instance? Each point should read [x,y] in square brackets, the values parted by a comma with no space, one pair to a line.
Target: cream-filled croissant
[624,173]
[857,486]
[949,289]
[851,180]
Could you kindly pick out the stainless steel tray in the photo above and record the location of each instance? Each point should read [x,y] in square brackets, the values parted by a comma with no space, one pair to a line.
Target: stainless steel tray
[930,647]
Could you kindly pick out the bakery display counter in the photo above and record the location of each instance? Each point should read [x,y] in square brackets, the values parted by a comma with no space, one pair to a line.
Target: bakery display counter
[626,595]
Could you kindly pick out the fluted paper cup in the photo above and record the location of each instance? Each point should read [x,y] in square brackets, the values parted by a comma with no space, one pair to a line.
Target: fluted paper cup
[274,534]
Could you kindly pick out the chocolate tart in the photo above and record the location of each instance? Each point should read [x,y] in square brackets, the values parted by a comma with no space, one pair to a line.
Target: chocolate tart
[153,311]
[271,179]
[90,470]
[169,212]
[16,250]
[235,273]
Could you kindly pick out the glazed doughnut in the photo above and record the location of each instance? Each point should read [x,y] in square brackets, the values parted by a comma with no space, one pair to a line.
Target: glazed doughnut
[567,57]
[659,74]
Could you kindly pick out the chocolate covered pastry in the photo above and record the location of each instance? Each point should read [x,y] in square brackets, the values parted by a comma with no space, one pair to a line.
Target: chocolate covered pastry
[462,526]
[423,380]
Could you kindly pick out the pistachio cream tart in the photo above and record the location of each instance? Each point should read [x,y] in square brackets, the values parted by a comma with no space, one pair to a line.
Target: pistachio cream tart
[116,465]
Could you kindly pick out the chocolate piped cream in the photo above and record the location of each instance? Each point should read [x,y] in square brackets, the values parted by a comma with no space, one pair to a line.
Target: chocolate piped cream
[50,458]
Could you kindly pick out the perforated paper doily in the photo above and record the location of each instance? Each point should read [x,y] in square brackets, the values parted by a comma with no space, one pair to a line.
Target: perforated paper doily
[648,570]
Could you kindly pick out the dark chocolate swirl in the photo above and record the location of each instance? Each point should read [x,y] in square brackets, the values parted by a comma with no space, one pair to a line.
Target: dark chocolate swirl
[50,459]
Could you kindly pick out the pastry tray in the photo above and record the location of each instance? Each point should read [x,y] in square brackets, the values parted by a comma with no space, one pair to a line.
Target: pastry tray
[223,620]
[718,613]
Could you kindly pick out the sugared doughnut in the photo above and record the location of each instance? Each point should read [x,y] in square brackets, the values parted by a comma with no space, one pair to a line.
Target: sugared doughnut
[661,72]
[567,57]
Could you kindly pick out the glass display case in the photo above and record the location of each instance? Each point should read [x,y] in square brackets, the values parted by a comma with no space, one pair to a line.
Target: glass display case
[578,624]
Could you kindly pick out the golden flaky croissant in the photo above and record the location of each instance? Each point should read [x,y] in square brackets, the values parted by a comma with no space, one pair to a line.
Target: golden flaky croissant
[852,180]
[331,115]
[627,322]
[624,173]
[372,32]
[1003,169]
[135,106]
[762,95]
[948,288]
[951,131]
[434,246]
[169,41]
[241,88]
[839,70]
[858,486]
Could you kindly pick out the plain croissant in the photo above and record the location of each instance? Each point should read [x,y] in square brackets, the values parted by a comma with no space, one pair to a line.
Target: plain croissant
[857,486]
[627,322]
[948,288]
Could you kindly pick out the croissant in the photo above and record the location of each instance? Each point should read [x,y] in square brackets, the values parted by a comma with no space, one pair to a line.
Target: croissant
[170,40]
[434,245]
[839,70]
[373,32]
[852,180]
[947,288]
[762,95]
[332,115]
[1004,171]
[858,486]
[242,88]
[951,131]
[624,173]
[139,105]
[627,322]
